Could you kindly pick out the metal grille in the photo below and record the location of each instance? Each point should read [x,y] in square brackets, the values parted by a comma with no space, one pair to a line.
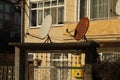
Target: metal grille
[58,66]
[109,56]
[108,69]
[7,73]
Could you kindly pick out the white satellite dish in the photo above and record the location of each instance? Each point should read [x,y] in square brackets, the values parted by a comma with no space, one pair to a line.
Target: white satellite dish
[46,24]
[118,7]
[44,30]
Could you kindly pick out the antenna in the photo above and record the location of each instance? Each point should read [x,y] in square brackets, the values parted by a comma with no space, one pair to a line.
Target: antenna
[118,7]
[80,29]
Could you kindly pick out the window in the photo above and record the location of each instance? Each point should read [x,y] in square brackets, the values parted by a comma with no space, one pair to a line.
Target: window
[99,9]
[1,15]
[7,8]
[96,9]
[109,56]
[7,16]
[0,24]
[41,8]
[83,8]
[17,19]
[1,6]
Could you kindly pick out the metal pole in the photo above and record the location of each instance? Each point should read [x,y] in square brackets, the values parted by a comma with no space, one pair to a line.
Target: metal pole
[22,20]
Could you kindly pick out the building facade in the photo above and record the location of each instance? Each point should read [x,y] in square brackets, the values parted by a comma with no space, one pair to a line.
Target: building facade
[9,32]
[9,25]
[103,28]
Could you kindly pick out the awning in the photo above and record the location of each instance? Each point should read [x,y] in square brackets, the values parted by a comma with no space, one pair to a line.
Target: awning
[53,47]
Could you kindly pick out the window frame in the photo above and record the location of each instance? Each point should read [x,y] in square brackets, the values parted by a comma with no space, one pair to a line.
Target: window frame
[42,9]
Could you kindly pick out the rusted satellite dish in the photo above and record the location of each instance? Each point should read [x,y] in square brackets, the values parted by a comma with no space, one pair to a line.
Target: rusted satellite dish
[81,28]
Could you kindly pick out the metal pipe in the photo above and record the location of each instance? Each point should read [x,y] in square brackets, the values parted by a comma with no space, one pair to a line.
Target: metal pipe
[22,20]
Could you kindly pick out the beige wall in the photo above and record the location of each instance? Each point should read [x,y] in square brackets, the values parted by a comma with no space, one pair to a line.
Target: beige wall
[104,29]
[70,10]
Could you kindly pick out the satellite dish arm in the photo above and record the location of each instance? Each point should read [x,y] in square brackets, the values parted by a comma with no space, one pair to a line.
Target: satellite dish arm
[69,32]
[33,36]
[75,33]
[48,39]
[114,12]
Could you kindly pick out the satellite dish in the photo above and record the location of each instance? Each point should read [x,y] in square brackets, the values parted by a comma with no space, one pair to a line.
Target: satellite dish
[44,30]
[118,7]
[46,24]
[81,28]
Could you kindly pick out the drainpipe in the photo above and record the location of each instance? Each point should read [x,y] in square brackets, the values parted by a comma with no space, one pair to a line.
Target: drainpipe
[22,20]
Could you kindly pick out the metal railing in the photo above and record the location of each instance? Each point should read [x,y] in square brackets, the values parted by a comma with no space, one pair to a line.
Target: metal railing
[59,66]
[7,73]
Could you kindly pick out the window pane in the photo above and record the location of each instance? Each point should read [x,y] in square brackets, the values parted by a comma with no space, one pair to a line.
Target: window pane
[105,6]
[7,17]
[17,20]
[7,8]
[83,8]
[47,12]
[99,9]
[47,4]
[1,6]
[33,17]
[94,8]
[34,5]
[113,7]
[60,15]
[0,24]
[54,13]
[54,3]
[40,4]
[40,16]
[61,2]
[1,15]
